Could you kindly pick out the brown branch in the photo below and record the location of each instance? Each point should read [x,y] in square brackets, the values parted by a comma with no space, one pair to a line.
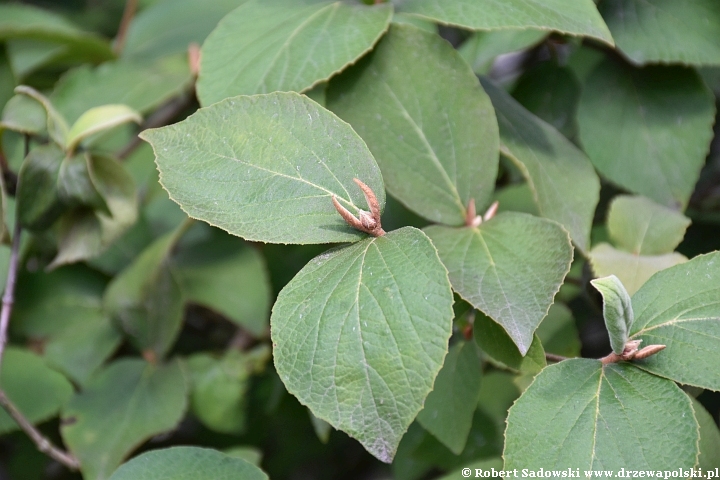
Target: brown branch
[128,14]
[551,357]
[632,352]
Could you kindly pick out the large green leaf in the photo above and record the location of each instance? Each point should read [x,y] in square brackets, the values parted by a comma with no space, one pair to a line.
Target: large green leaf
[449,408]
[194,463]
[510,268]
[481,49]
[36,390]
[574,17]
[632,270]
[709,438]
[146,299]
[665,31]
[285,45]
[641,226]
[499,347]
[121,407]
[437,146]
[579,414]
[265,168]
[167,27]
[617,310]
[223,273]
[361,332]
[564,183]
[38,200]
[647,130]
[680,307]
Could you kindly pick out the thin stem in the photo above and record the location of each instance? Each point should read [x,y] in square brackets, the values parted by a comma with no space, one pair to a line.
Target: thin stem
[551,357]
[128,14]
[8,297]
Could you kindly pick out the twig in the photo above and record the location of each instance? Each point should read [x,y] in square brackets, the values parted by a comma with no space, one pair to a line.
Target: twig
[551,357]
[128,14]
[8,297]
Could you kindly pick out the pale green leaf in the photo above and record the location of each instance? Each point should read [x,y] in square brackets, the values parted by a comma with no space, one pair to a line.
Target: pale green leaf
[641,226]
[579,414]
[709,438]
[187,463]
[449,408]
[563,181]
[510,268]
[665,31]
[38,201]
[25,115]
[98,119]
[680,307]
[168,27]
[481,49]
[421,23]
[617,310]
[36,390]
[322,428]
[516,198]
[56,125]
[146,300]
[632,270]
[361,332]
[122,406]
[496,344]
[574,17]
[285,45]
[558,332]
[223,273]
[647,130]
[249,454]
[265,168]
[437,147]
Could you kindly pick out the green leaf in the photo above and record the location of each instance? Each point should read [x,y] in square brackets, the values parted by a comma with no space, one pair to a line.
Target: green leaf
[510,268]
[481,49]
[285,45]
[573,17]
[579,414]
[27,55]
[56,125]
[437,146]
[143,87]
[25,115]
[647,130]
[177,463]
[7,80]
[249,454]
[678,307]
[36,390]
[38,201]
[167,27]
[265,168]
[122,406]
[665,31]
[495,342]
[98,119]
[558,332]
[641,226]
[75,186]
[709,438]
[361,332]
[564,183]
[322,428]
[632,270]
[449,408]
[617,310]
[223,273]
[146,300]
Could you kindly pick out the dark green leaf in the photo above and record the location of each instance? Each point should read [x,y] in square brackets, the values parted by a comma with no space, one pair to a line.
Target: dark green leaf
[617,310]
[709,438]
[75,186]
[361,332]
[579,414]
[495,342]
[38,201]
[285,45]
[558,332]
[482,465]
[265,168]
[437,146]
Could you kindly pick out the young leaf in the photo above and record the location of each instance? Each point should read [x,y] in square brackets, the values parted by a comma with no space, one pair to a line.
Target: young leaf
[36,390]
[437,146]
[266,167]
[98,119]
[574,17]
[496,344]
[284,45]
[510,268]
[564,183]
[25,115]
[449,408]
[56,125]
[38,201]
[617,310]
[579,414]
[187,462]
[146,299]
[641,226]
[121,407]
[709,438]
[361,332]
[647,130]
[679,307]
[656,31]
[632,270]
